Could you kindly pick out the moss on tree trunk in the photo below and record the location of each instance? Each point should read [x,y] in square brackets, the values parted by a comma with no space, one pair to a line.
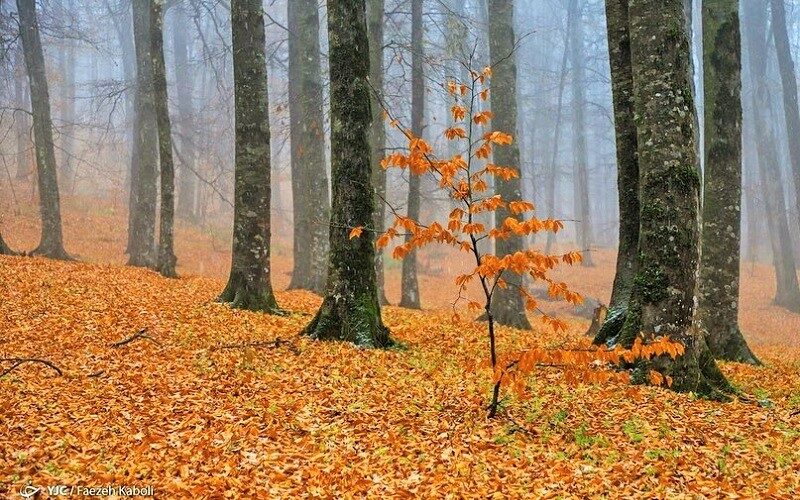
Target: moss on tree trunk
[350,310]
[249,285]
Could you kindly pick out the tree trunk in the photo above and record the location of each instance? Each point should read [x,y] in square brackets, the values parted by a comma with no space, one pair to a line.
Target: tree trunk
[22,127]
[409,292]
[4,249]
[789,83]
[67,62]
[718,306]
[508,306]
[249,285]
[350,311]
[580,164]
[788,290]
[377,139]
[663,297]
[309,179]
[51,244]
[187,179]
[141,247]
[166,252]
[619,45]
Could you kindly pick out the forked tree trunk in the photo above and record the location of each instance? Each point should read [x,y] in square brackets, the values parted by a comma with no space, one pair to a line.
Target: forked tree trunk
[663,297]
[377,138]
[310,201]
[508,305]
[141,245]
[718,307]
[166,252]
[350,311]
[619,45]
[51,243]
[580,173]
[249,285]
[409,286]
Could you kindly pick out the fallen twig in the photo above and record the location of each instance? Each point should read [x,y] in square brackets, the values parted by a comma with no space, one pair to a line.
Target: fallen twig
[271,344]
[141,334]
[20,361]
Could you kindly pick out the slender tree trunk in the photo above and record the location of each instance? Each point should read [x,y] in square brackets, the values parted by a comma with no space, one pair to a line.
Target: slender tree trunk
[350,311]
[377,139]
[788,290]
[166,252]
[663,298]
[66,60]
[309,178]
[22,126]
[409,293]
[141,247]
[4,249]
[51,244]
[580,164]
[249,285]
[619,44]
[187,179]
[789,83]
[718,306]
[508,306]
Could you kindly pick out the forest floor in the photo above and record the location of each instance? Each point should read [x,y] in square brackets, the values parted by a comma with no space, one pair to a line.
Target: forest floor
[189,408]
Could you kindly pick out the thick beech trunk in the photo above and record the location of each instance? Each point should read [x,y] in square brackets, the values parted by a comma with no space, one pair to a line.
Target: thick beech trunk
[718,307]
[249,285]
[350,311]
[166,252]
[310,200]
[51,243]
[409,286]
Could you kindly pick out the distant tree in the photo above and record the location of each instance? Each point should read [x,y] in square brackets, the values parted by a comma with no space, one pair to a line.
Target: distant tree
[508,306]
[662,299]
[21,118]
[166,254]
[310,200]
[377,138]
[51,244]
[350,310]
[619,48]
[718,307]
[144,187]
[409,289]
[4,248]
[249,285]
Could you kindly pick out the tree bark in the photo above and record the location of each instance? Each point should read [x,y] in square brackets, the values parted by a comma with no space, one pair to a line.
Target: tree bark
[350,311]
[22,127]
[67,62]
[718,306]
[51,244]
[4,248]
[663,297]
[377,138]
[309,178]
[787,289]
[249,285]
[166,252]
[580,164]
[619,45]
[508,306]
[187,179]
[141,247]
[409,286]
[789,82]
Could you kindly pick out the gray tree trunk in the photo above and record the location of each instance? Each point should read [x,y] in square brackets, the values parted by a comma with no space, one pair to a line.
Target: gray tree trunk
[310,200]
[409,286]
[67,63]
[663,297]
[377,139]
[718,307]
[619,44]
[51,243]
[249,285]
[22,127]
[580,164]
[350,311]
[4,248]
[184,88]
[141,245]
[166,252]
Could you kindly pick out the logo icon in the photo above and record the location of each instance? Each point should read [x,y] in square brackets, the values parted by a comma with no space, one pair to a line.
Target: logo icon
[28,491]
